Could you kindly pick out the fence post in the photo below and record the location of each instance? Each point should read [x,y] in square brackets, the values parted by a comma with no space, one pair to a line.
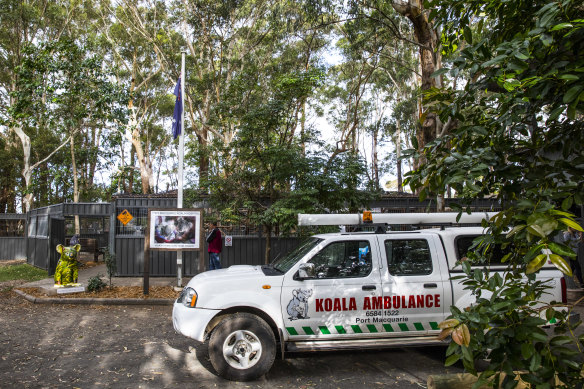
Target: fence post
[112,230]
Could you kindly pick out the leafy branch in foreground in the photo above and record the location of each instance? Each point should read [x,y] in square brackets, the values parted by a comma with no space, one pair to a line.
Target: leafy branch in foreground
[517,137]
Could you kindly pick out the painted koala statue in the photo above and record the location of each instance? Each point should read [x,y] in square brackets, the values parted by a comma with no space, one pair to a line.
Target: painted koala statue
[66,272]
[298,307]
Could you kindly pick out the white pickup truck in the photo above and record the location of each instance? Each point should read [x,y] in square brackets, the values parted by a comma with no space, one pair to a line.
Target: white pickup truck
[335,291]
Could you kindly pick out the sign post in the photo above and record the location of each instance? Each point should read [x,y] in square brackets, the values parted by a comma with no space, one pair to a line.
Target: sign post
[177,230]
[146,283]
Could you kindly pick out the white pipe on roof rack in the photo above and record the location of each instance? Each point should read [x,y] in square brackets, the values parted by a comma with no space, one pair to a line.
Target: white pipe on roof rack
[392,218]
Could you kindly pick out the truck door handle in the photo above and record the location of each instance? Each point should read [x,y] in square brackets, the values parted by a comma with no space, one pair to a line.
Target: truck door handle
[430,286]
[369,287]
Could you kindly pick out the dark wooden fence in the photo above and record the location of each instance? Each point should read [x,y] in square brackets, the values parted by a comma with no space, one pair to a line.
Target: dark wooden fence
[12,236]
[42,229]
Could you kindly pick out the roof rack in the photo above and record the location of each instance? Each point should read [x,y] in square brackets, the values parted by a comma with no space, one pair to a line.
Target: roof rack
[445,218]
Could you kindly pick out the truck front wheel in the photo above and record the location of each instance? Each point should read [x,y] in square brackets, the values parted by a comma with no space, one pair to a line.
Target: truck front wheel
[242,347]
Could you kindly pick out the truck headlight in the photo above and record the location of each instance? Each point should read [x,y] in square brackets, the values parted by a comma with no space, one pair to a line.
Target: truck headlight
[188,297]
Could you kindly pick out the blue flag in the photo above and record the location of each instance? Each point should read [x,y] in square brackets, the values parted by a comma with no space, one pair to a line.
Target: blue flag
[177,115]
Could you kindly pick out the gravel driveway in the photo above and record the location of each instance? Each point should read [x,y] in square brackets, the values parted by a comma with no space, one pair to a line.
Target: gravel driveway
[68,346]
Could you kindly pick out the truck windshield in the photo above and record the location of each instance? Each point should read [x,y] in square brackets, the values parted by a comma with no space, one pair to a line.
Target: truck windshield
[286,262]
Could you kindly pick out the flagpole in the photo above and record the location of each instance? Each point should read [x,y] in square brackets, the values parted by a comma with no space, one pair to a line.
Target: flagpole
[181,152]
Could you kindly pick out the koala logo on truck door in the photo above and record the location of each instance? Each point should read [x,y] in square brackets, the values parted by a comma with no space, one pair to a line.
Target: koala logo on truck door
[298,306]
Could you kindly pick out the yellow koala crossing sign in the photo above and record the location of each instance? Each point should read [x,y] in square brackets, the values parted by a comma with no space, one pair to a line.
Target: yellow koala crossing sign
[124,217]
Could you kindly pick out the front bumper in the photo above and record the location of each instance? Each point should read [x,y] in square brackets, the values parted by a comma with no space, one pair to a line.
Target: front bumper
[192,322]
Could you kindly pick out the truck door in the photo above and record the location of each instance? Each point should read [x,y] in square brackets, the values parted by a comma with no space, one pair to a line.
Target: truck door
[330,306]
[413,285]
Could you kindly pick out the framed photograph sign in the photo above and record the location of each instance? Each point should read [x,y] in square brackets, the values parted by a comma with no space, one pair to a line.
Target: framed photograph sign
[175,229]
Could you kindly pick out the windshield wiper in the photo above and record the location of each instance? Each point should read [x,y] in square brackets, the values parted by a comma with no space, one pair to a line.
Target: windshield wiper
[270,270]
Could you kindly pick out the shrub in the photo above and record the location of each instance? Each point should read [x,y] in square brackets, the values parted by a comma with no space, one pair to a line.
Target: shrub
[110,263]
[95,284]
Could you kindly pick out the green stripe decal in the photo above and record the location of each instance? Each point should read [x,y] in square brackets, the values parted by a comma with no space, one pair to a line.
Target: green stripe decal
[324,330]
[356,329]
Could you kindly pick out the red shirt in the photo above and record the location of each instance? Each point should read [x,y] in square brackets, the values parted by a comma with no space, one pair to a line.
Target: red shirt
[215,242]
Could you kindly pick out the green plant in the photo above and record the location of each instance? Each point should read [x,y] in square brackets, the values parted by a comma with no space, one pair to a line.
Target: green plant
[95,283]
[110,263]
[515,133]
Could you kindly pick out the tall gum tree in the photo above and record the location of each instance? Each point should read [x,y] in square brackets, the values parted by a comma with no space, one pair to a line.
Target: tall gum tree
[141,38]
[232,47]
[23,23]
[427,41]
[377,40]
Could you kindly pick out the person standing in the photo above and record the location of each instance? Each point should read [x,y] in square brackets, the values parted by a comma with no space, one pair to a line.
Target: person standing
[214,247]
[574,239]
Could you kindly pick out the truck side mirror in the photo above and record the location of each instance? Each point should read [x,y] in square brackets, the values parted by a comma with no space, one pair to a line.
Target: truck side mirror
[306,271]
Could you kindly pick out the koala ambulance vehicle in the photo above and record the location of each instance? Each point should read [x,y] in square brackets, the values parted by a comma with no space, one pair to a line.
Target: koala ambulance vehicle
[335,291]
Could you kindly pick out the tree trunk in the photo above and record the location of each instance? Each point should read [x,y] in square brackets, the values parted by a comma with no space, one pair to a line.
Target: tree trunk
[130,187]
[146,174]
[122,179]
[375,161]
[303,127]
[26,170]
[75,185]
[427,38]
[398,155]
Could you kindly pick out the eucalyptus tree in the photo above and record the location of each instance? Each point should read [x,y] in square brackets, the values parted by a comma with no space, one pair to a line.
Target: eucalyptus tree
[378,71]
[270,176]
[24,23]
[517,135]
[63,90]
[403,126]
[8,176]
[232,46]
[143,44]
[427,39]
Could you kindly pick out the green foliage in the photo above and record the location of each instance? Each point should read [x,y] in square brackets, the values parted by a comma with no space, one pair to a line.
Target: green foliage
[517,136]
[270,175]
[63,91]
[23,272]
[506,326]
[95,283]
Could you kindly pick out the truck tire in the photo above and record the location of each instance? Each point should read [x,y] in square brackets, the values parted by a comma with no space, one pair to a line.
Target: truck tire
[242,347]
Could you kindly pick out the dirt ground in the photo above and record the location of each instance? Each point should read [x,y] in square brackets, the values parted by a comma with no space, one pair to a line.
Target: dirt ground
[74,346]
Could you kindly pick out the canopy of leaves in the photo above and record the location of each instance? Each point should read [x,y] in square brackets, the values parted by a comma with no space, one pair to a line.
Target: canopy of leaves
[517,136]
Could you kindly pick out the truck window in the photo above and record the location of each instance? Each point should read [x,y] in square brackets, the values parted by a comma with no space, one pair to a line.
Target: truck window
[343,260]
[464,243]
[409,257]
[286,262]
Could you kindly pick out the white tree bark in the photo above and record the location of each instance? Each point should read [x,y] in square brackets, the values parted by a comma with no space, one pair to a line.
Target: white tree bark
[75,184]
[28,169]
[144,160]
